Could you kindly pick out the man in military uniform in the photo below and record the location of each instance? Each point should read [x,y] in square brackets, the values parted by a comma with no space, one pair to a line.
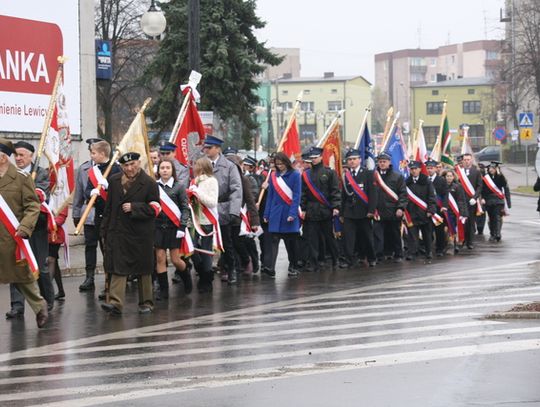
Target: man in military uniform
[441,192]
[127,229]
[91,239]
[19,196]
[358,205]
[229,199]
[391,204]
[321,200]
[167,151]
[24,154]
[421,207]
[473,192]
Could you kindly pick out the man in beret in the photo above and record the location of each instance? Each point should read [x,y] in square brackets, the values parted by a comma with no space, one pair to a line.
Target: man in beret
[90,232]
[24,155]
[128,230]
[19,196]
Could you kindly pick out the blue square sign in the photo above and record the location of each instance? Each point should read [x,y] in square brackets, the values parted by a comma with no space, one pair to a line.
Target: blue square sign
[526,119]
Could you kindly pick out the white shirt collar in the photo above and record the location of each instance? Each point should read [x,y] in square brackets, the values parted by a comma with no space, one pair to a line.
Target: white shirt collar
[169,183]
[28,169]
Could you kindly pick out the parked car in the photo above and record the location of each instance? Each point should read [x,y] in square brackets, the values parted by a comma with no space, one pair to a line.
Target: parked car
[489,153]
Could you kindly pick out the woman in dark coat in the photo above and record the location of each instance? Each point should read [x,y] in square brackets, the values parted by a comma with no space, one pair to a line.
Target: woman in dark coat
[454,220]
[282,217]
[166,233]
[496,199]
[128,222]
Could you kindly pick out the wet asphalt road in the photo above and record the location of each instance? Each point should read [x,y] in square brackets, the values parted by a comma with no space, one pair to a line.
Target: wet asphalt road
[396,335]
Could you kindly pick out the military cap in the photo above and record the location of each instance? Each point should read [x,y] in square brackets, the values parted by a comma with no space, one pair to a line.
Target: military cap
[315,152]
[306,157]
[415,164]
[127,157]
[250,161]
[459,158]
[431,163]
[495,164]
[383,155]
[212,141]
[352,153]
[230,151]
[25,145]
[6,146]
[93,140]
[166,146]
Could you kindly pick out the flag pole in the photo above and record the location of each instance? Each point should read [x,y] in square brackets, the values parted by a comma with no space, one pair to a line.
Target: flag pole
[146,142]
[50,111]
[389,115]
[362,127]
[330,128]
[115,157]
[437,147]
[391,129]
[297,104]
[194,79]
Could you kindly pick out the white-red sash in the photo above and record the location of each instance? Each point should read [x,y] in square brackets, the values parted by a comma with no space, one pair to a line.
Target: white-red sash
[46,209]
[282,188]
[170,208]
[385,187]
[356,188]
[415,199]
[23,249]
[96,178]
[465,182]
[212,215]
[494,188]
[460,220]
[186,245]
[245,225]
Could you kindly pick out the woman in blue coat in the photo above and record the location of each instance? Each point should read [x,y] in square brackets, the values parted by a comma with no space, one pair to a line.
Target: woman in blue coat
[281,211]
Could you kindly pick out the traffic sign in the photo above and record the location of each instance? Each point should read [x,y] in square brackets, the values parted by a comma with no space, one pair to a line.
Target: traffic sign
[499,133]
[526,119]
[525,134]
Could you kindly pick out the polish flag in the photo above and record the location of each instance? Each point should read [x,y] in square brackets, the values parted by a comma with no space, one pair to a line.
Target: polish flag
[420,153]
[192,123]
[291,143]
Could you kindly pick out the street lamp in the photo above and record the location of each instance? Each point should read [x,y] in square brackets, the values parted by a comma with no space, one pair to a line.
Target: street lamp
[153,22]
[277,109]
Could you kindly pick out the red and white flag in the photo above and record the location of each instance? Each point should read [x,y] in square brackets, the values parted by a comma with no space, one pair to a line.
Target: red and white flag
[420,153]
[192,123]
[291,143]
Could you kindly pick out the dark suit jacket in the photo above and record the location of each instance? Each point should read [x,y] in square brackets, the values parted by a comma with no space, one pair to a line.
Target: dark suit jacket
[351,205]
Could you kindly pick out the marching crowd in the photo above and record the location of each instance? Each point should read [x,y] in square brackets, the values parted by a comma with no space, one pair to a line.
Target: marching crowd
[209,219]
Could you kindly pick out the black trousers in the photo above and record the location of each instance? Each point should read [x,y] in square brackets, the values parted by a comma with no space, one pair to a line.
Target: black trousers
[202,261]
[265,242]
[427,238]
[91,242]
[318,233]
[358,233]
[441,238]
[495,219]
[228,246]
[392,244]
[240,248]
[470,225]
[291,244]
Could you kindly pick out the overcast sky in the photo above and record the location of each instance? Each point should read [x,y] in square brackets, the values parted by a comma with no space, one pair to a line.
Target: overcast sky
[343,35]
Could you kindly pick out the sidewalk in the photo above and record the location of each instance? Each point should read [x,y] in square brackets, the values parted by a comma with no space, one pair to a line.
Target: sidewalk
[76,253]
[516,175]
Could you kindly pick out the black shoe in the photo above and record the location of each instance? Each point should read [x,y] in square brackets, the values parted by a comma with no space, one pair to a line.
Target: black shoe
[177,277]
[410,258]
[470,246]
[398,259]
[60,296]
[145,309]
[268,272]
[111,309]
[102,295]
[14,313]
[497,238]
[42,316]
[439,254]
[372,263]
[232,278]
[88,284]
[293,272]
[344,265]
[427,260]
[185,276]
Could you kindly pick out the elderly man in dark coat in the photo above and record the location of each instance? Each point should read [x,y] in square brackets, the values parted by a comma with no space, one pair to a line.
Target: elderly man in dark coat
[128,230]
[19,199]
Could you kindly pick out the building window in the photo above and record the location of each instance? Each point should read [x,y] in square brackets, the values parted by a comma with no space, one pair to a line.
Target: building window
[430,134]
[453,59]
[307,106]
[472,107]
[470,91]
[333,91]
[434,92]
[491,55]
[286,106]
[417,77]
[334,105]
[307,91]
[417,61]
[433,78]
[434,107]
[433,62]
[284,92]
[477,136]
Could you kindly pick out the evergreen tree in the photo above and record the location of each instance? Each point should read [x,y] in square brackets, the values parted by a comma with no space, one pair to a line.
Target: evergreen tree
[231,57]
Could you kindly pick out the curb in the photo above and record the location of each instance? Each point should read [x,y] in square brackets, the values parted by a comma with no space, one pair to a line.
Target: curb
[514,315]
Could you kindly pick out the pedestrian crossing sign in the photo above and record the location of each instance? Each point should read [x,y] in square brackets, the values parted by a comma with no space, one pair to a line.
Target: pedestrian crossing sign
[526,119]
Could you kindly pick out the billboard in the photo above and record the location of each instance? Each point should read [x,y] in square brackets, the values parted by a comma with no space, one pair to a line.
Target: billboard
[33,34]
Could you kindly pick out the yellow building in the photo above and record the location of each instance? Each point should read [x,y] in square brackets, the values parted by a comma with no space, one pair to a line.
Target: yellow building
[471,101]
[322,99]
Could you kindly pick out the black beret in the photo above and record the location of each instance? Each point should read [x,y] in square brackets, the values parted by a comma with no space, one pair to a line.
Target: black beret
[25,145]
[127,157]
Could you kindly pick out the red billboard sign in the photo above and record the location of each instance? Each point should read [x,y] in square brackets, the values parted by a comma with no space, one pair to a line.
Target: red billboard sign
[28,55]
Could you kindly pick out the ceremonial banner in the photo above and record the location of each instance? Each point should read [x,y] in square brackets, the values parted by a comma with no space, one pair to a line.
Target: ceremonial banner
[446,141]
[192,123]
[135,140]
[396,147]
[331,155]
[291,143]
[421,154]
[367,153]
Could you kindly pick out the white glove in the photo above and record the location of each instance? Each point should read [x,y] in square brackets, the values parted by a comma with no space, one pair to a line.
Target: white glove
[472,201]
[180,234]
[104,184]
[94,192]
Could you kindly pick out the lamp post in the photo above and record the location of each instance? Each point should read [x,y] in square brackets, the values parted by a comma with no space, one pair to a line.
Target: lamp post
[278,110]
[153,22]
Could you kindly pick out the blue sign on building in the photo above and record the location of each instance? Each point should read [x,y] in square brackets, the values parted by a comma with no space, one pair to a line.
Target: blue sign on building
[104,68]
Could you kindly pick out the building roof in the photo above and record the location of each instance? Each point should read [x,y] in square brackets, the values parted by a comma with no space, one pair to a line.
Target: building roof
[323,79]
[458,82]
